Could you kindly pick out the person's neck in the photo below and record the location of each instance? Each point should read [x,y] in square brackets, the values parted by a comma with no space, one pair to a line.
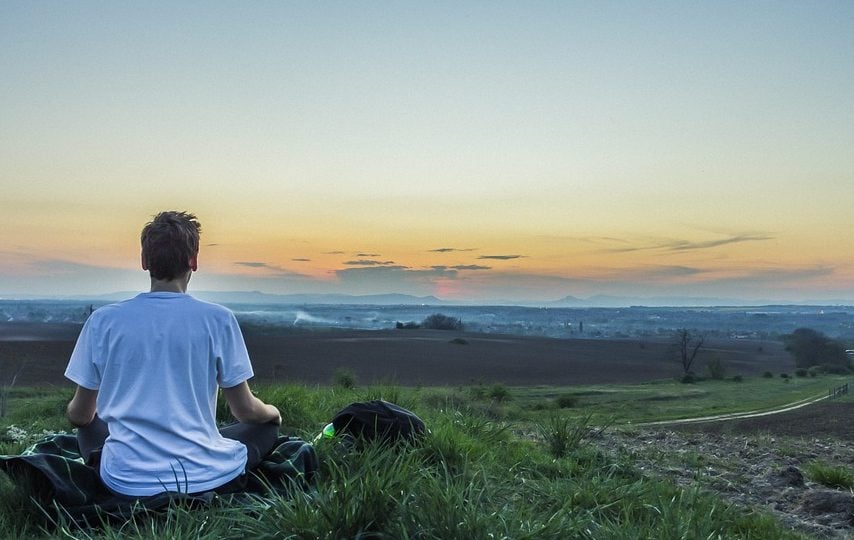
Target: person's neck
[177,285]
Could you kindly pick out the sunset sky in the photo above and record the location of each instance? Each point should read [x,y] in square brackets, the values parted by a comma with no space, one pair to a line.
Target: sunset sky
[477,151]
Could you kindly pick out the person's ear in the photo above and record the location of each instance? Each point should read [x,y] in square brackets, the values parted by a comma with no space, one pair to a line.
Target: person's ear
[143,261]
[194,263]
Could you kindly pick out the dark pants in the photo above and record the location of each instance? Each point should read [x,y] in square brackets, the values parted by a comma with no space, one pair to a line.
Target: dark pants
[259,440]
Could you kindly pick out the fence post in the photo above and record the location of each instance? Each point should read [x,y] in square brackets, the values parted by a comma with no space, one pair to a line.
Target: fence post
[838,391]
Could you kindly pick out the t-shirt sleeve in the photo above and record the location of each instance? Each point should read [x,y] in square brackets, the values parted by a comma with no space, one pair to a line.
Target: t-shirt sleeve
[233,365]
[81,367]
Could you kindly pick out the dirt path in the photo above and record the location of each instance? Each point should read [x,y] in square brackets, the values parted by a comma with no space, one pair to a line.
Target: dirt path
[741,415]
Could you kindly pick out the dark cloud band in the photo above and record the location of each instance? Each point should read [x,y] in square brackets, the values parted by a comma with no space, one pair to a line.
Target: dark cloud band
[501,257]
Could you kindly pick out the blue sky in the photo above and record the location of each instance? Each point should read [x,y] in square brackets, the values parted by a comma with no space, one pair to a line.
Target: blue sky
[559,148]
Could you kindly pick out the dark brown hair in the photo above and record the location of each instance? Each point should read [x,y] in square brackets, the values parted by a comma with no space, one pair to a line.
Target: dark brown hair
[169,241]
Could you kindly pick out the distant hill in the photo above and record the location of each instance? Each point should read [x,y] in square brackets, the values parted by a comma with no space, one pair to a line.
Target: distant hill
[606,301]
[257,297]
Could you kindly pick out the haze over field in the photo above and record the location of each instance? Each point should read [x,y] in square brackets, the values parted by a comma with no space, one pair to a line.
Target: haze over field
[470,151]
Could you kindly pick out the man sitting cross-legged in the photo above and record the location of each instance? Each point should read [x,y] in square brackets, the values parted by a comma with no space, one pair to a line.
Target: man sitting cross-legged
[151,367]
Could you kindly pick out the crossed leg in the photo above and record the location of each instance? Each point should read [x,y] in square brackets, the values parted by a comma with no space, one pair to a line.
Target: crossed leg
[258,439]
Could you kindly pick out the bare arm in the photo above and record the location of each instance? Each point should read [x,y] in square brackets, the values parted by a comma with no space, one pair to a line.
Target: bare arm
[248,408]
[81,408]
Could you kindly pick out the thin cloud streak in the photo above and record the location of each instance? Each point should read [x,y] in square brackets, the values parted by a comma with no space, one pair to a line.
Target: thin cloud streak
[450,250]
[501,257]
[274,270]
[368,262]
[687,245]
[471,267]
[461,267]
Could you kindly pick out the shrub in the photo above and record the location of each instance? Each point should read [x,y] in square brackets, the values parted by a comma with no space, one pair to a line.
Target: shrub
[499,392]
[784,375]
[836,369]
[477,391]
[563,435]
[801,372]
[566,401]
[407,325]
[438,321]
[344,378]
[459,341]
[737,378]
[768,375]
[716,369]
[688,378]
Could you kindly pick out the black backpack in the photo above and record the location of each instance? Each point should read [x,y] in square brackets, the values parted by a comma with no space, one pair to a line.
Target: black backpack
[378,419]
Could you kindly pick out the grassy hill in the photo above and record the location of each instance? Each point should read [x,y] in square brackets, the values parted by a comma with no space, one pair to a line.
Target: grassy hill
[498,463]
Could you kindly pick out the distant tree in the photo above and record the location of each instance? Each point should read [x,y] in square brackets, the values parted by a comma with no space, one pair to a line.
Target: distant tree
[687,347]
[812,348]
[438,321]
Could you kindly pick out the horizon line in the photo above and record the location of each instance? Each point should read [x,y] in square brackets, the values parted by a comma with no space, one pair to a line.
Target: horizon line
[593,301]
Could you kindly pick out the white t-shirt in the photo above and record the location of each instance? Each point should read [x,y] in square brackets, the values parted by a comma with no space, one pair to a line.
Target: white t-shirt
[156,361]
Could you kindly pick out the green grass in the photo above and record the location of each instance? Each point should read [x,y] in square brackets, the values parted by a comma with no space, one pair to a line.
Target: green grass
[671,400]
[489,468]
[830,475]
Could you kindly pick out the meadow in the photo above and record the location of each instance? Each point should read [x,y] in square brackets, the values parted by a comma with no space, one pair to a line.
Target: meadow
[499,462]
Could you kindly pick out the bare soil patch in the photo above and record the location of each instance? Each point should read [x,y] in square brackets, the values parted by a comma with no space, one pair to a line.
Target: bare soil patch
[757,462]
[432,357]
[765,471]
[420,357]
[823,419]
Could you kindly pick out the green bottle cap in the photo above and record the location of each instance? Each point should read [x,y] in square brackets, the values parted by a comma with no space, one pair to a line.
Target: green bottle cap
[329,431]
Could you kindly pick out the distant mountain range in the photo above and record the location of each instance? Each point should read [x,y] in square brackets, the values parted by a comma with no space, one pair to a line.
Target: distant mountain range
[606,301]
[257,297]
[393,299]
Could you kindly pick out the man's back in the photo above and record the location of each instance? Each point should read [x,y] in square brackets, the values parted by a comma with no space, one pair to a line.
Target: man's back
[156,361]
